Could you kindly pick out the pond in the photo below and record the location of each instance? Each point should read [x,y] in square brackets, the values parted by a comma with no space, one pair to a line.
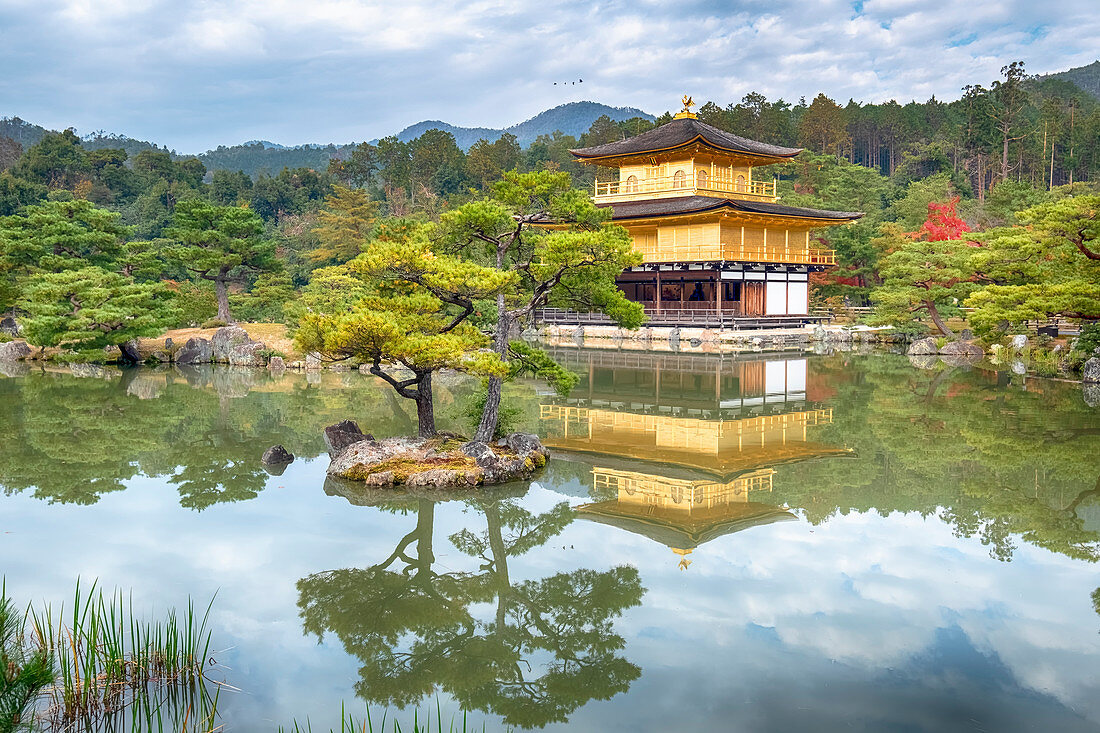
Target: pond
[760,543]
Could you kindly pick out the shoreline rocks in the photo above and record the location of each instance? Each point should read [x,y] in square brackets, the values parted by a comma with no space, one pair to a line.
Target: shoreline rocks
[14,351]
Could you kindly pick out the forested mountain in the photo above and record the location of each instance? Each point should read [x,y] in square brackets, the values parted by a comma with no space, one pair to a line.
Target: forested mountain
[573,119]
[1086,77]
[259,157]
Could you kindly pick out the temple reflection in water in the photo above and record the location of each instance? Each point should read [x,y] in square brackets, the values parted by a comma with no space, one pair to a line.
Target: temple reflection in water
[684,446]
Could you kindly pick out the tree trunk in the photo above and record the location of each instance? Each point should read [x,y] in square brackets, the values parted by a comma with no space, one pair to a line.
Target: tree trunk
[938,319]
[223,300]
[490,415]
[425,407]
[1004,156]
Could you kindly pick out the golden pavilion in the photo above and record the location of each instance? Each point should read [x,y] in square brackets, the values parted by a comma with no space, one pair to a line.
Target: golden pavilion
[684,448]
[718,249]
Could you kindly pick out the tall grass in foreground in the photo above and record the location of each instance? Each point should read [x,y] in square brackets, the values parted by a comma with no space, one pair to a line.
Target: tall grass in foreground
[350,724]
[114,672]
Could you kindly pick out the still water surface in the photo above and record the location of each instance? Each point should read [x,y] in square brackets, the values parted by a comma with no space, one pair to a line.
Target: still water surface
[720,543]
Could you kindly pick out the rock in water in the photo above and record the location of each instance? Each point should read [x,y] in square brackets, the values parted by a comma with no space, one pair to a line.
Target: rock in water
[14,350]
[1019,343]
[1091,394]
[963,348]
[1090,374]
[313,362]
[195,351]
[247,355]
[276,365]
[344,433]
[923,346]
[276,454]
[228,338]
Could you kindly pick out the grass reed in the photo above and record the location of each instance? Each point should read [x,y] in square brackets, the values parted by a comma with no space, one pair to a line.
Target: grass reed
[116,672]
[366,724]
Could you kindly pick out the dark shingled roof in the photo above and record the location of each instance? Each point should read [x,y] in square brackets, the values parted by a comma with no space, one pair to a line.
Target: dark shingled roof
[680,133]
[700,204]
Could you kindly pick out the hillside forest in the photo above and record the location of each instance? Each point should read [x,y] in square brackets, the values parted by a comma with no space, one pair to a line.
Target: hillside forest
[987,202]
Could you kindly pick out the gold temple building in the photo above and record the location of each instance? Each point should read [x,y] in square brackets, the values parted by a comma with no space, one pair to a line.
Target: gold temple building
[718,249]
[682,448]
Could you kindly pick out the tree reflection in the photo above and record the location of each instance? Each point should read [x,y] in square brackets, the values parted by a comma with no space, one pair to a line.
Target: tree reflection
[203,430]
[547,647]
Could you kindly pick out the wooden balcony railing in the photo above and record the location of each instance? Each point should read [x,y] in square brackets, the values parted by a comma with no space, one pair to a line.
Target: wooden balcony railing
[689,183]
[735,252]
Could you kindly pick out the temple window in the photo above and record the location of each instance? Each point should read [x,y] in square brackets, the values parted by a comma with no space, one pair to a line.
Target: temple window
[701,179]
[679,179]
[632,184]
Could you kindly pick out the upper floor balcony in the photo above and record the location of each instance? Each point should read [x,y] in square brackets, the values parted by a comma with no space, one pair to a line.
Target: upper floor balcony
[693,183]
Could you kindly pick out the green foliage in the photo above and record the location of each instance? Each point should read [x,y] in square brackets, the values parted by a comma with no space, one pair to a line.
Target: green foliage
[89,309]
[343,225]
[55,236]
[1089,339]
[24,671]
[195,303]
[528,360]
[214,323]
[15,193]
[267,301]
[921,277]
[221,244]
[1047,266]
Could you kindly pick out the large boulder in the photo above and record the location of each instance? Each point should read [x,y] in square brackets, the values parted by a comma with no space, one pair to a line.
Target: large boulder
[248,355]
[228,338]
[343,434]
[14,351]
[276,365]
[963,348]
[1090,373]
[195,351]
[1019,342]
[923,346]
[9,326]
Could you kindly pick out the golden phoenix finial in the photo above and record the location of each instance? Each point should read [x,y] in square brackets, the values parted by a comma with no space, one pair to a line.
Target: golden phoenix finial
[688,103]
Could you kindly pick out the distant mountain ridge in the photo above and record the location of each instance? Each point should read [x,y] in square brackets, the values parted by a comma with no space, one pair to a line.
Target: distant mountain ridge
[572,118]
[1085,77]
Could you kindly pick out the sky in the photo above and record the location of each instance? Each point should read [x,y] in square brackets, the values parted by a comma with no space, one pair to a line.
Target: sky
[194,75]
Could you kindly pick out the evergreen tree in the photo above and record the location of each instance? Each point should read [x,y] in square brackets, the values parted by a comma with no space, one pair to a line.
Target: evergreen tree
[222,244]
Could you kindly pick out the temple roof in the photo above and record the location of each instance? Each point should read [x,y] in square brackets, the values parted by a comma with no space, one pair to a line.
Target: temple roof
[681,133]
[679,530]
[703,204]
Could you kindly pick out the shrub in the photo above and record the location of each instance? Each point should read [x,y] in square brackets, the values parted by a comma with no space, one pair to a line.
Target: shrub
[1089,340]
[196,303]
[268,353]
[214,323]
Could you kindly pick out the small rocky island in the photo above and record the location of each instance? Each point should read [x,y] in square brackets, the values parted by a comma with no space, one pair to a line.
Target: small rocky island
[442,461]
